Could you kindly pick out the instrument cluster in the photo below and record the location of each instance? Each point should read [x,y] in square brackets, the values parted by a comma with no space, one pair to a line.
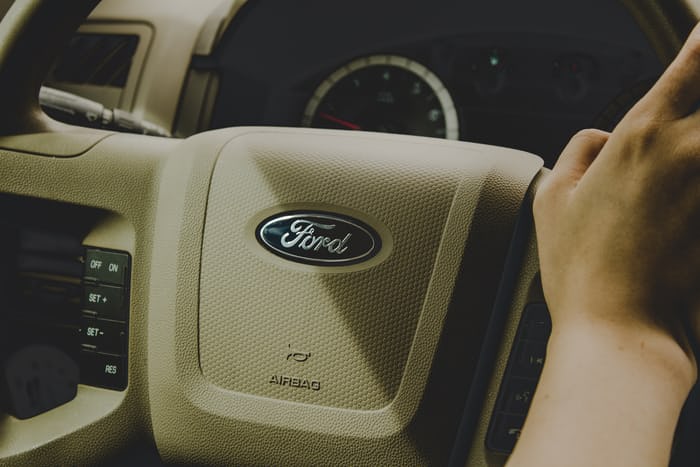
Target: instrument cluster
[505,74]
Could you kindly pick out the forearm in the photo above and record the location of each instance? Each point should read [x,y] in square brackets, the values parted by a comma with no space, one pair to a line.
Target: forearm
[606,398]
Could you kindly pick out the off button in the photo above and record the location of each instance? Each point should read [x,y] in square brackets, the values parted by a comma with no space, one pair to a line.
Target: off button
[106,266]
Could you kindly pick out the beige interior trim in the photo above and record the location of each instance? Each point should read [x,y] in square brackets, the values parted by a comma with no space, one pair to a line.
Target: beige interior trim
[177,27]
[694,6]
[33,34]
[69,144]
[216,25]
[666,24]
[4,6]
[124,98]
[113,177]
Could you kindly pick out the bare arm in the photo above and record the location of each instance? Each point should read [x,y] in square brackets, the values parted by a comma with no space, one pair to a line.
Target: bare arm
[618,228]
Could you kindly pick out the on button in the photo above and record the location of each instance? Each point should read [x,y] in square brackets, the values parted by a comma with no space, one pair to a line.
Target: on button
[106,266]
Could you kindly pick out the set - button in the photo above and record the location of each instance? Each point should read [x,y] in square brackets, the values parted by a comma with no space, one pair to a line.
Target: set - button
[102,335]
[521,377]
[104,321]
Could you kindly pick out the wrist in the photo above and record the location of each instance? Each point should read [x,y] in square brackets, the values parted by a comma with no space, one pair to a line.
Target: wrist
[605,399]
[637,349]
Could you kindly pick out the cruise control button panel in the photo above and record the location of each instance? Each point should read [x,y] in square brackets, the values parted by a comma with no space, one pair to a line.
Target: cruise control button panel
[64,316]
[520,379]
[104,320]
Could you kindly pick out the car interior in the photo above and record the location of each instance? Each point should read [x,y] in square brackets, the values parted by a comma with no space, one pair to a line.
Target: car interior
[269,232]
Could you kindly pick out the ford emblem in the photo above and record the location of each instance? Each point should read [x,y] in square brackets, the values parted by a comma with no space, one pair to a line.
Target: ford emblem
[320,238]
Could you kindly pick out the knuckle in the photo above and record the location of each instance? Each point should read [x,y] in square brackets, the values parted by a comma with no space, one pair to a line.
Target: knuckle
[643,133]
[686,152]
[692,46]
[590,135]
[543,197]
[686,162]
[646,127]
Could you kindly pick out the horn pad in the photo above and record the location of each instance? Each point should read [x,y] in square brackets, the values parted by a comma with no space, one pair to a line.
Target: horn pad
[326,356]
[357,323]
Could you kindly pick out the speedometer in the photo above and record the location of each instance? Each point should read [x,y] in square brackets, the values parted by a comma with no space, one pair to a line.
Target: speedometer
[384,93]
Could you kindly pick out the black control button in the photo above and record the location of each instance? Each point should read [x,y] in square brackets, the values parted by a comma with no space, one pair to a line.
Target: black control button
[506,432]
[102,335]
[103,370]
[530,359]
[518,395]
[106,266]
[105,300]
[537,325]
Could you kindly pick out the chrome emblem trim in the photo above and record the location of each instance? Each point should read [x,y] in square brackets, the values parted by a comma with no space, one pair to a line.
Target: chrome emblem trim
[320,238]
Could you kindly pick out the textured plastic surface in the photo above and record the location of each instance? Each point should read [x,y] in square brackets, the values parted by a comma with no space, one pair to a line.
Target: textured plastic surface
[112,177]
[358,326]
[177,25]
[237,301]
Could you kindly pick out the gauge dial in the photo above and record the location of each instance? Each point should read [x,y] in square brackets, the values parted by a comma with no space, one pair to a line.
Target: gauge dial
[384,93]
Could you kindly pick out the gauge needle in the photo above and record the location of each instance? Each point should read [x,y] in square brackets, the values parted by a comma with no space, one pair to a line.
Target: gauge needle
[346,124]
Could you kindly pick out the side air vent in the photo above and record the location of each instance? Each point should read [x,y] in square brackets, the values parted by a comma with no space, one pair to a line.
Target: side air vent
[97,59]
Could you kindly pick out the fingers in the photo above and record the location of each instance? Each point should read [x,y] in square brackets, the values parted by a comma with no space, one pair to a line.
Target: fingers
[573,163]
[578,155]
[677,93]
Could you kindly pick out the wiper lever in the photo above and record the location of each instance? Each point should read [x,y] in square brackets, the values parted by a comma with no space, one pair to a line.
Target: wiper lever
[76,110]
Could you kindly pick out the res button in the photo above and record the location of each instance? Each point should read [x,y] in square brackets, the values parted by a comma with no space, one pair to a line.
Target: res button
[103,370]
[106,266]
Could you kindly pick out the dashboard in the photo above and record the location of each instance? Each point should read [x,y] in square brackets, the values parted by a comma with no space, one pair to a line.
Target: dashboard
[504,73]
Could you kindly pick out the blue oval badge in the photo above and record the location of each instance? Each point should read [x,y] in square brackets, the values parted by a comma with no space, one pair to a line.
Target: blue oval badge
[319,238]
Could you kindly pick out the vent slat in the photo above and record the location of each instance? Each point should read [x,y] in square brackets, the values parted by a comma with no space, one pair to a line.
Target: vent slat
[98,59]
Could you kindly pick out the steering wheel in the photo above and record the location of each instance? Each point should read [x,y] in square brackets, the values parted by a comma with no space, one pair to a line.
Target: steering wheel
[296,296]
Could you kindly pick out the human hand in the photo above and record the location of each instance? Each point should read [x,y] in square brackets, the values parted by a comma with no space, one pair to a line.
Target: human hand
[618,218]
[617,225]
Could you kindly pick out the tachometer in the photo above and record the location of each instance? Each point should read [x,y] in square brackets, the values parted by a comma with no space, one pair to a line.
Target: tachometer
[385,93]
